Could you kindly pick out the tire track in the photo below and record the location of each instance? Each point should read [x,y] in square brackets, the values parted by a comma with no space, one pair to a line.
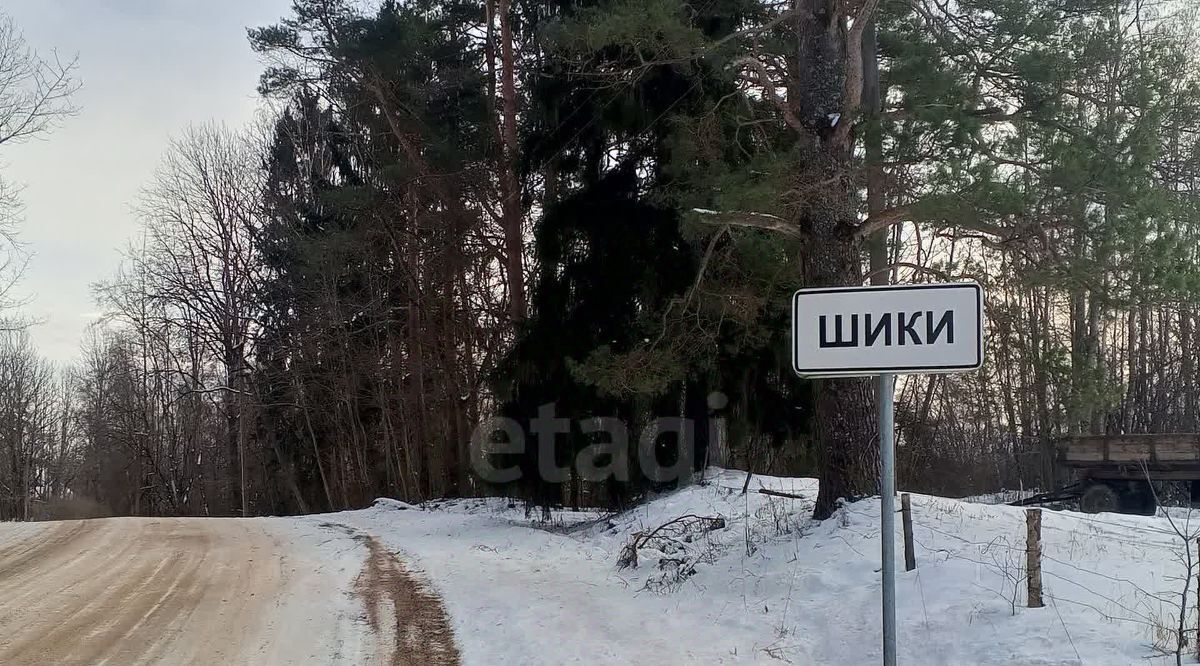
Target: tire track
[130,591]
[18,556]
[135,591]
[399,606]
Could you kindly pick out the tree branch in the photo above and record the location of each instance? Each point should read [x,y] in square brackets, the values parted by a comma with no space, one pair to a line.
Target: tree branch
[764,221]
[762,78]
[882,220]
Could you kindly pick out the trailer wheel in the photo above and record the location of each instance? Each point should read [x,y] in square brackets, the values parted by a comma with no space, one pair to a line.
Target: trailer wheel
[1138,499]
[1099,498]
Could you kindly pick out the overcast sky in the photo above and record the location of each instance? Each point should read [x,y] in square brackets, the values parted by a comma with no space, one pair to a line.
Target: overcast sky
[149,68]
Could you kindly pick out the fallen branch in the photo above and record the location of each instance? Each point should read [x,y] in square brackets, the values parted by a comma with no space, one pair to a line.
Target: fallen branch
[776,493]
[671,535]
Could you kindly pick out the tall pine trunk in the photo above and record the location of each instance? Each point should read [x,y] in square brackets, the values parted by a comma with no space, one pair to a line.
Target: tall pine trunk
[844,420]
[510,188]
[830,65]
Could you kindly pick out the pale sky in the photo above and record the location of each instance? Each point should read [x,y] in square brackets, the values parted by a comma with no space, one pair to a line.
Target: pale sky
[149,68]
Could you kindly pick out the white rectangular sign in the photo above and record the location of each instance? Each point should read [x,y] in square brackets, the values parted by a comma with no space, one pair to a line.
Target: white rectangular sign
[919,328]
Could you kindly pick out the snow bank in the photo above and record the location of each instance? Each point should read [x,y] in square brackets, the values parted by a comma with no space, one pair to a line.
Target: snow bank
[772,586]
[389,503]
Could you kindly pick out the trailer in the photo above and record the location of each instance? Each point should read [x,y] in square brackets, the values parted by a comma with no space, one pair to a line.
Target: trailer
[1115,472]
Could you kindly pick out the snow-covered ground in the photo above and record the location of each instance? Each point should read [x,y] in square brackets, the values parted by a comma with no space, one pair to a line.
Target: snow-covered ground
[771,586]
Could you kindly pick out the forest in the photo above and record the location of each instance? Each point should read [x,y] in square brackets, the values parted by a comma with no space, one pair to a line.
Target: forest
[456,210]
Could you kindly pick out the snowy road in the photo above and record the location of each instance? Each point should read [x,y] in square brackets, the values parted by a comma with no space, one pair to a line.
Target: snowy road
[209,591]
[770,587]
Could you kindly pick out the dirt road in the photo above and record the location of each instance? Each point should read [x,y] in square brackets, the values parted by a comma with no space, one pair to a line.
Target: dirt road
[129,591]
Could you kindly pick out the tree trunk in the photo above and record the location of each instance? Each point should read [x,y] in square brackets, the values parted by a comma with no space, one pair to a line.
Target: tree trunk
[1187,370]
[830,89]
[236,495]
[844,426]
[873,141]
[510,194]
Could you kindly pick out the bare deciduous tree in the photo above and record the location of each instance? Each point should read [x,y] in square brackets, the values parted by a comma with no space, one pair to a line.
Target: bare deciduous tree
[35,92]
[202,215]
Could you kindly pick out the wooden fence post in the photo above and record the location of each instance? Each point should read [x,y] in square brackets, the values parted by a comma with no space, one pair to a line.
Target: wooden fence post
[1033,556]
[910,554]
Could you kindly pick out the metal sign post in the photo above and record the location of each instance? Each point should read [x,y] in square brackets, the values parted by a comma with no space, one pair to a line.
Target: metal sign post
[880,331]
[887,512]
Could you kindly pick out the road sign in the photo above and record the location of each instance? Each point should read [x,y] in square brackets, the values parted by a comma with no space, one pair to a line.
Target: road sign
[919,328]
[857,331]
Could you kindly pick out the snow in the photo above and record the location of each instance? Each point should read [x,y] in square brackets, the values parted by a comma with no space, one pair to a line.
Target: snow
[322,616]
[16,533]
[772,586]
[182,590]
